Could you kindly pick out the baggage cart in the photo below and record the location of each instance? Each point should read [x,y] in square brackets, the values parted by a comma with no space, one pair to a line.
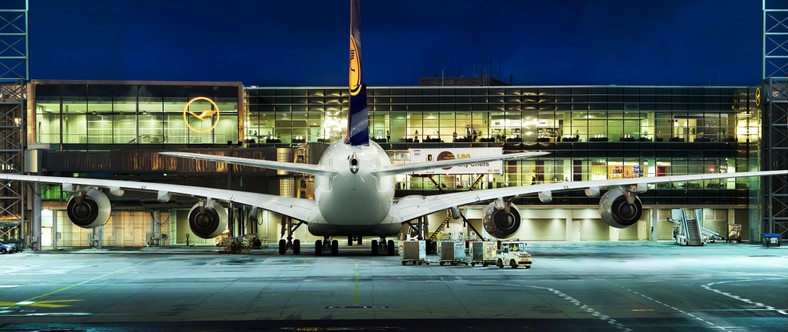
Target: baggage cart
[452,252]
[483,252]
[414,252]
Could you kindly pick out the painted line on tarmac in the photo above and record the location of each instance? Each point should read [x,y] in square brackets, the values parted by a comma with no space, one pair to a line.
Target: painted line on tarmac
[356,288]
[33,299]
[586,308]
[676,309]
[743,299]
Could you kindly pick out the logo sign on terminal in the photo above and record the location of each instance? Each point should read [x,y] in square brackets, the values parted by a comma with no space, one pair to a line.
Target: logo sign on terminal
[204,121]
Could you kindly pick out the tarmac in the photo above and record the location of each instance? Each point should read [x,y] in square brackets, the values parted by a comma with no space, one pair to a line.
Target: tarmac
[590,286]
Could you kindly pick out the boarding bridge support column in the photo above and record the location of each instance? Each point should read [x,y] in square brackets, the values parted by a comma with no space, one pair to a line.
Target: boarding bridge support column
[152,230]
[654,224]
[35,239]
[157,217]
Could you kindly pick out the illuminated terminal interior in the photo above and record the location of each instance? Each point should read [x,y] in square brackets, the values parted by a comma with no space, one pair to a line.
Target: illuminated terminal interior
[591,132]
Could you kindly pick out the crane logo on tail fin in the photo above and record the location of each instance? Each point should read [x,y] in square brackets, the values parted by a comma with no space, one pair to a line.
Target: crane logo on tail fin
[355,68]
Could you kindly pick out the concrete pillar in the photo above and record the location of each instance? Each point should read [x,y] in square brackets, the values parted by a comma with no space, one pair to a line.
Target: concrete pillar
[54,230]
[654,223]
[98,236]
[614,234]
[572,229]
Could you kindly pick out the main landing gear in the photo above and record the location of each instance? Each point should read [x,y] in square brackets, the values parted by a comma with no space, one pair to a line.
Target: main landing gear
[385,247]
[289,243]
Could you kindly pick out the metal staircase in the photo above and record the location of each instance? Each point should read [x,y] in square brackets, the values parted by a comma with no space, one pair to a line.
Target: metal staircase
[688,231]
[440,228]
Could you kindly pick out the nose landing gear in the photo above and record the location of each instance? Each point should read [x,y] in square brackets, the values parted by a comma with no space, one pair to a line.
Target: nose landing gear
[326,245]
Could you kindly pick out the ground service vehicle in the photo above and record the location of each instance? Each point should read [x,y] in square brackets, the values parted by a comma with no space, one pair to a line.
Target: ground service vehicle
[513,253]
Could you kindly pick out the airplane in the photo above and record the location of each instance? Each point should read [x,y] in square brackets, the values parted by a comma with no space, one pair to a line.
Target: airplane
[354,187]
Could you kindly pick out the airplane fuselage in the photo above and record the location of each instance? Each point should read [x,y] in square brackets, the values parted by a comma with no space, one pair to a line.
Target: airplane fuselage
[353,201]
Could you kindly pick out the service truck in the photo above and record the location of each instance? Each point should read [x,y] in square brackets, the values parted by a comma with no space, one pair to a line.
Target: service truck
[513,253]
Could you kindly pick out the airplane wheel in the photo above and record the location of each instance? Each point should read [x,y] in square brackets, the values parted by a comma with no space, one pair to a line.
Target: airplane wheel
[374,247]
[390,247]
[282,247]
[296,247]
[334,248]
[318,248]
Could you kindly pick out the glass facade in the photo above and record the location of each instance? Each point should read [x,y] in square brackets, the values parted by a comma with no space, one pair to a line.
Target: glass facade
[100,115]
[593,133]
[513,114]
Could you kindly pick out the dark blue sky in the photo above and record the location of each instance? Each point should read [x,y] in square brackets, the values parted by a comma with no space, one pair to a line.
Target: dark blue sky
[304,42]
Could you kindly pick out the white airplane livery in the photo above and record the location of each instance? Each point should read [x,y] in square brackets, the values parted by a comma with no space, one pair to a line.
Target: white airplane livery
[354,187]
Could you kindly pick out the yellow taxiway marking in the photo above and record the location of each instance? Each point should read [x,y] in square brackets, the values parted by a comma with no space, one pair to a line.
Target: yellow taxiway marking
[32,302]
[356,288]
[41,304]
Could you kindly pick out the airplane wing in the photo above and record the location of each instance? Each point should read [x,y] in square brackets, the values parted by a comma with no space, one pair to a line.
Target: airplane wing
[409,168]
[298,208]
[413,207]
[277,165]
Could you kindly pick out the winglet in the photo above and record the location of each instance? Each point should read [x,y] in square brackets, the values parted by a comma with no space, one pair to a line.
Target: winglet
[358,118]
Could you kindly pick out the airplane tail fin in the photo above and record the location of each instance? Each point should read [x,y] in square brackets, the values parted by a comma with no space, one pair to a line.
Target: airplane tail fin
[358,118]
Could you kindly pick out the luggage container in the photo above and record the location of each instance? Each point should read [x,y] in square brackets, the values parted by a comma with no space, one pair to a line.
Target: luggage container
[414,252]
[452,252]
[483,252]
[771,239]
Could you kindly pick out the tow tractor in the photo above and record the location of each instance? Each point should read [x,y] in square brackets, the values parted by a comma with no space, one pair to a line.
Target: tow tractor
[513,253]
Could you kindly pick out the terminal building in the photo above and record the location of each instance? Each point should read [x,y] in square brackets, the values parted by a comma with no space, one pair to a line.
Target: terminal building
[114,130]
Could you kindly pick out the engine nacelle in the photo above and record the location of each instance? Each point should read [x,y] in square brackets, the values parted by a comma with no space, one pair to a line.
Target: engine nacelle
[616,211]
[89,209]
[207,220]
[500,223]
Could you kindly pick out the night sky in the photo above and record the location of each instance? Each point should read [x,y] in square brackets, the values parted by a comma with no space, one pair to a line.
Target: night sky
[304,42]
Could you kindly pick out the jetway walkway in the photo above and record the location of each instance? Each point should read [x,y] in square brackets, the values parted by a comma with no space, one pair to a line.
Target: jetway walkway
[688,231]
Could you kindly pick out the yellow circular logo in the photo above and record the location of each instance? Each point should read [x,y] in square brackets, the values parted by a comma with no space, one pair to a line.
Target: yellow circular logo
[355,68]
[210,115]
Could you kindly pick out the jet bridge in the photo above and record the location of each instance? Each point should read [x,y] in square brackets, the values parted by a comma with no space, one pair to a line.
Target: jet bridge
[689,230]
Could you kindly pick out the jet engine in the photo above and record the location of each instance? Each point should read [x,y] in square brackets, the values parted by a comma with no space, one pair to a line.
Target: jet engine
[207,220]
[620,208]
[89,209]
[499,222]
